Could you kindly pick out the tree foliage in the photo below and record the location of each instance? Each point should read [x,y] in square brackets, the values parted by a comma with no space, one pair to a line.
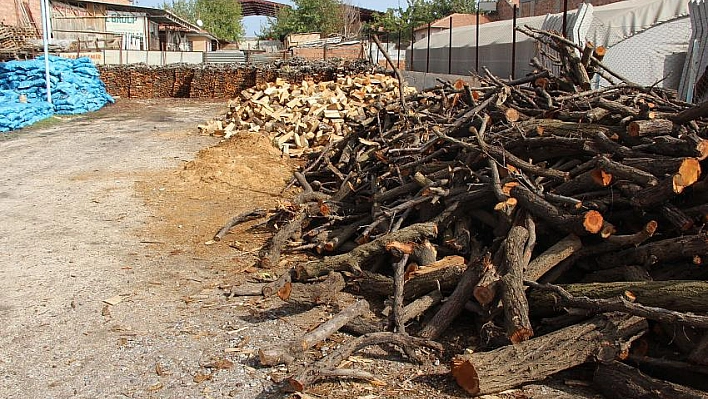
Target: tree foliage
[420,12]
[324,16]
[222,18]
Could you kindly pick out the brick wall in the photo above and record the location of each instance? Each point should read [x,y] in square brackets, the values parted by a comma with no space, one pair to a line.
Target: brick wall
[9,13]
[350,52]
[531,8]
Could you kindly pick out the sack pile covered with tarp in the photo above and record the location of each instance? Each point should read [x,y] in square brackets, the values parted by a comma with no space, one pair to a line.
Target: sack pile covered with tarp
[75,84]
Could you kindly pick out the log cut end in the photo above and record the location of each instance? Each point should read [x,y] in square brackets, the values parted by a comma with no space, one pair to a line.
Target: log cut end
[521,335]
[650,227]
[484,294]
[593,221]
[465,374]
[687,175]
[702,148]
[601,178]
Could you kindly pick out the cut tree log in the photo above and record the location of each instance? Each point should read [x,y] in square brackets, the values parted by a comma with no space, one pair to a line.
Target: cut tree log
[516,307]
[353,260]
[552,257]
[243,217]
[589,222]
[443,275]
[455,303]
[681,296]
[670,249]
[617,380]
[603,338]
[288,353]
[312,374]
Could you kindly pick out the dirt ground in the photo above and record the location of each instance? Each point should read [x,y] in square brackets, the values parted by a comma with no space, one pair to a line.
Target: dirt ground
[109,286]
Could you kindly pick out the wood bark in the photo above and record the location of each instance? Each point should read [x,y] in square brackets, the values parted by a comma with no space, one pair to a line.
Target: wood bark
[619,381]
[602,338]
[516,307]
[353,260]
[295,349]
[681,296]
[243,217]
[552,257]
[455,303]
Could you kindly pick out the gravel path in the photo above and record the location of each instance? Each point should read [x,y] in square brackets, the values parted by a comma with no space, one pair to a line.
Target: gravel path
[70,244]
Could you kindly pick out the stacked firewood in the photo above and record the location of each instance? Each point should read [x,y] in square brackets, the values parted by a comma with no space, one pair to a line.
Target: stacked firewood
[568,221]
[304,117]
[215,80]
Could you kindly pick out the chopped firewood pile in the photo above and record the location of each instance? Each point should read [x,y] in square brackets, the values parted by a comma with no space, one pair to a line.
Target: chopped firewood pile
[303,117]
[568,222]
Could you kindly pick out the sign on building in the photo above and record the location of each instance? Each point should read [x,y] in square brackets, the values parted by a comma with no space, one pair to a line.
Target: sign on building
[131,25]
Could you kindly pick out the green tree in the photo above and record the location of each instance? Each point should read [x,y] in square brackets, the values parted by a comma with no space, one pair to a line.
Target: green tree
[324,16]
[417,13]
[222,18]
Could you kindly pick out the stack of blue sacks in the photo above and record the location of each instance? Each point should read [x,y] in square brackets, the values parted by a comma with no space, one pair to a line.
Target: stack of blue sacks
[76,88]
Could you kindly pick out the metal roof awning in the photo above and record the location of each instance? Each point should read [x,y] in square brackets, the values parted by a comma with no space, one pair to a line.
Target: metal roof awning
[157,15]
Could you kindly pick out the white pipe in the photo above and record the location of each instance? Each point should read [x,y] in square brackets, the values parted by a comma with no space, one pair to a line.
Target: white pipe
[45,39]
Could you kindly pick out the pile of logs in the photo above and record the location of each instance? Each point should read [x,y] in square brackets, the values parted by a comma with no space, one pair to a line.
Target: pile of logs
[214,80]
[302,118]
[568,222]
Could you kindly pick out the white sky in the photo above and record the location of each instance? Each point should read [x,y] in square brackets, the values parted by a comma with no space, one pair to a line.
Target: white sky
[253,24]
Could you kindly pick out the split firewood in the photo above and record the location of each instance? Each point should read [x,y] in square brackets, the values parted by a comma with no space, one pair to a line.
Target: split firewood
[604,338]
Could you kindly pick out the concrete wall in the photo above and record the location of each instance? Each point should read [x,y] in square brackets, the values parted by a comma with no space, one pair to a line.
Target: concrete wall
[422,80]
[118,57]
[531,8]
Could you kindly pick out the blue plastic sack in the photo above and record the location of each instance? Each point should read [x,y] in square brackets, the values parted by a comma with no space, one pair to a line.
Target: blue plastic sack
[76,88]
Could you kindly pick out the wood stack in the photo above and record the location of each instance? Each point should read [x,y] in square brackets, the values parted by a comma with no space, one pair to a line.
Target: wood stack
[17,42]
[303,117]
[213,81]
[496,198]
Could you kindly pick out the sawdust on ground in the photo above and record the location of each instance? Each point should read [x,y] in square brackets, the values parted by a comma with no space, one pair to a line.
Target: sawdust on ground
[235,176]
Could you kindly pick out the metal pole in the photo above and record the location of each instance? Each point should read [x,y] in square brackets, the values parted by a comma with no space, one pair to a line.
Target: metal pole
[565,18]
[398,53]
[44,10]
[513,44]
[427,55]
[449,50]
[412,41]
[476,42]
[377,55]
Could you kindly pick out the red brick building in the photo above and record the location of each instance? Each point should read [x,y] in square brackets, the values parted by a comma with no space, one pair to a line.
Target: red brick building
[530,8]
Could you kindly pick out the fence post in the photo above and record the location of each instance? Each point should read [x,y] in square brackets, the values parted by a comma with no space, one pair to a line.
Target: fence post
[398,53]
[476,42]
[513,44]
[565,18]
[427,53]
[449,50]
